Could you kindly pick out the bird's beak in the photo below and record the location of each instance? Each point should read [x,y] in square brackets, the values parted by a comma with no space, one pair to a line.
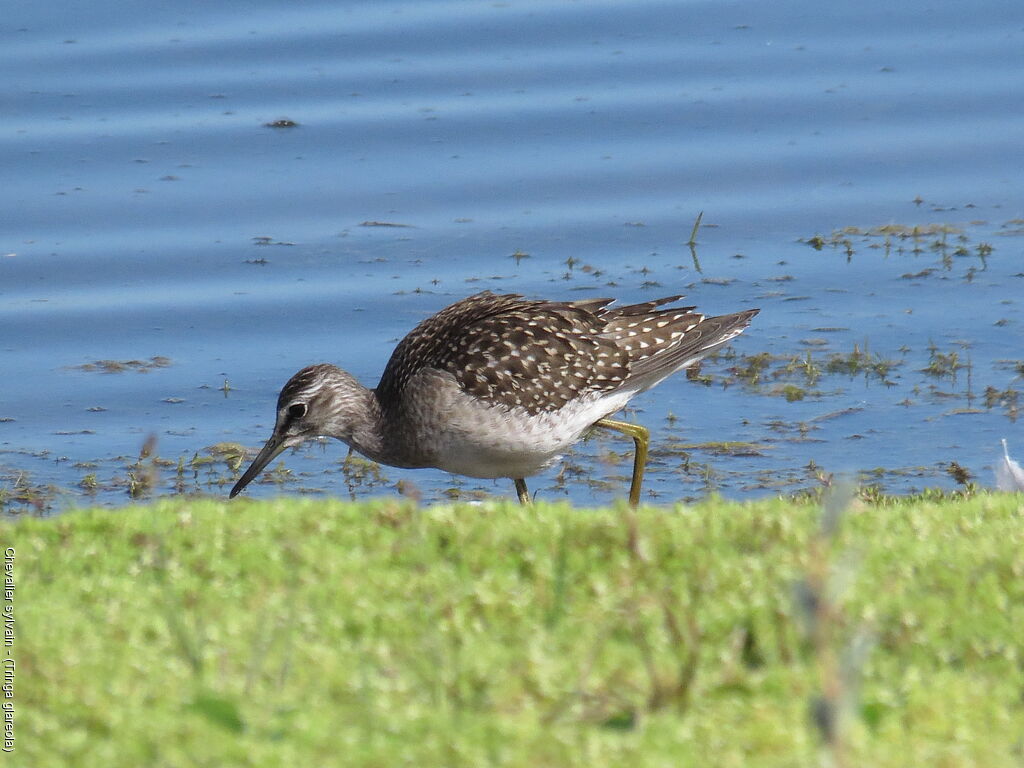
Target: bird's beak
[274,446]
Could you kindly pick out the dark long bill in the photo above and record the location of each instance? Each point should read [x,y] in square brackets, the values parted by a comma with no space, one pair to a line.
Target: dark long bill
[273,447]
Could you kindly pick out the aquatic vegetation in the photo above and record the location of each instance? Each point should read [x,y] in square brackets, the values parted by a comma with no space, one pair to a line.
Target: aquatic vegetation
[1008,399]
[860,361]
[361,473]
[799,373]
[268,240]
[807,367]
[121,366]
[19,493]
[232,454]
[751,368]
[916,240]
[943,364]
[283,122]
[959,473]
[792,393]
[716,448]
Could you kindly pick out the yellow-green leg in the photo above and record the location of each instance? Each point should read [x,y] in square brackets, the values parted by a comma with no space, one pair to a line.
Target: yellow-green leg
[642,437]
[524,495]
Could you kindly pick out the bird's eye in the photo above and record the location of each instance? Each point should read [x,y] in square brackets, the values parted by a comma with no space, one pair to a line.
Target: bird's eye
[297,410]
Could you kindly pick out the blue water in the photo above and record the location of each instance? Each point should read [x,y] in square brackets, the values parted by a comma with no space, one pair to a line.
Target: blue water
[140,176]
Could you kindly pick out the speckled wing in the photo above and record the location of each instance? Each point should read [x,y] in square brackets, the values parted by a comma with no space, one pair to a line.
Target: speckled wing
[511,351]
[659,341]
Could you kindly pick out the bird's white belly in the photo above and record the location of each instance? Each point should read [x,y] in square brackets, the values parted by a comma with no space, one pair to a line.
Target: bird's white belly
[519,449]
[475,439]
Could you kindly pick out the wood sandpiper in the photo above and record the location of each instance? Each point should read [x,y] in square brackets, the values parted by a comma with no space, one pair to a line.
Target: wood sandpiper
[500,386]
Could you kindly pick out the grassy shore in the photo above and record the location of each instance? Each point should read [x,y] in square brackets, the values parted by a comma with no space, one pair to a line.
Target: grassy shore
[318,633]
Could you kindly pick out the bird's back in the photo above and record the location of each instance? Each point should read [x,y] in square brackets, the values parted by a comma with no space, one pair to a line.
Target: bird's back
[510,351]
[540,355]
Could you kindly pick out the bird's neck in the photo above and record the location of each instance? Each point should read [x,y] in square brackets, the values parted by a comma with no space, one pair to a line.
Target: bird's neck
[363,428]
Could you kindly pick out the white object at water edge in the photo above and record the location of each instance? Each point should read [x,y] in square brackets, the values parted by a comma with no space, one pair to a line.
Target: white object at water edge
[1009,474]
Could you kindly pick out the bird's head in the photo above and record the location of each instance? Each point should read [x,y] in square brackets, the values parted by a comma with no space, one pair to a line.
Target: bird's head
[316,402]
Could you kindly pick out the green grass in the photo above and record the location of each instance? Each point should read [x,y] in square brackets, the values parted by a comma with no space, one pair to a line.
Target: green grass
[319,633]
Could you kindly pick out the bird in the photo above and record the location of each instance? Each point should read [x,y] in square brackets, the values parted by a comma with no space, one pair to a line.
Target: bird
[500,386]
